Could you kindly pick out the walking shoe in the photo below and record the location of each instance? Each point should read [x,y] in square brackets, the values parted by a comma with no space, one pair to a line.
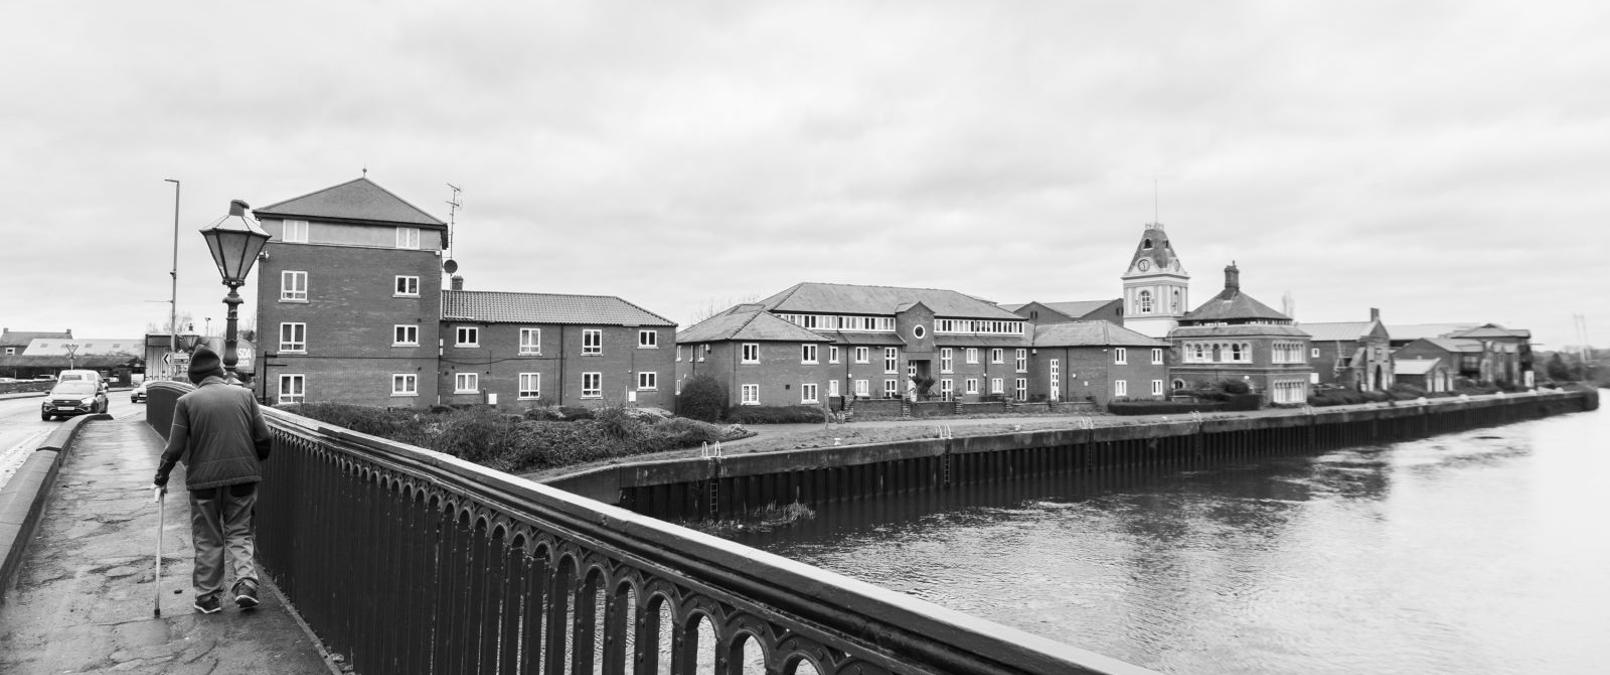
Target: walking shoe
[245,594]
[209,604]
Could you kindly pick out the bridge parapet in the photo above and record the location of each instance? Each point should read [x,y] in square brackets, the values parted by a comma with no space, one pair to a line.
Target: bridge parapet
[412,561]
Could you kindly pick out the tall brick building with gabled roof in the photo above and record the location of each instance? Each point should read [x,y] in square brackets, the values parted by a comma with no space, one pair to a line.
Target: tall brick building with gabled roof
[1233,336]
[351,309]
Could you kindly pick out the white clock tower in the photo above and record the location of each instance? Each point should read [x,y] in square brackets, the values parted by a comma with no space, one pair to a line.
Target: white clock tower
[1156,287]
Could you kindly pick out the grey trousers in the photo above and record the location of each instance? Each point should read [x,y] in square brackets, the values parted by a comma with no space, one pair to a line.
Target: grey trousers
[221,518]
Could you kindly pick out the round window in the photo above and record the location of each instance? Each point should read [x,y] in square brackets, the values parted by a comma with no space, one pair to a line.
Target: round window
[918,331]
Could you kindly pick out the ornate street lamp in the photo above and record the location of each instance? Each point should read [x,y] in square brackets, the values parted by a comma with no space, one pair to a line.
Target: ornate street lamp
[234,240]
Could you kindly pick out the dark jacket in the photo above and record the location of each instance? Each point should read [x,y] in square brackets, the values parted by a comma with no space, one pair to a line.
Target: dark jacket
[219,434]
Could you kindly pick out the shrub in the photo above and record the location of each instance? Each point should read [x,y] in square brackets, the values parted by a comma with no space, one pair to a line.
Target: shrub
[1233,387]
[702,398]
[575,412]
[681,432]
[775,414]
[477,435]
[615,421]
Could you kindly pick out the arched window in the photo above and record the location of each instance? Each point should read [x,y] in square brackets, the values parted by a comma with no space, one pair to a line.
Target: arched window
[1146,244]
[1236,352]
[1174,303]
[1217,354]
[1144,300]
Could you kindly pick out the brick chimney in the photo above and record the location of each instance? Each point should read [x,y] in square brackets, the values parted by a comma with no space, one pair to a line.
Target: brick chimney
[1232,278]
[1375,314]
[457,282]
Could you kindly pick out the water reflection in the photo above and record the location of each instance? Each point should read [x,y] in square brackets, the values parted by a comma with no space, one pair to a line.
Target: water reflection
[1474,552]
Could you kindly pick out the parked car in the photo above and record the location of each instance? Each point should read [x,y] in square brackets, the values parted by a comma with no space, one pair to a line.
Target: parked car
[138,395]
[73,397]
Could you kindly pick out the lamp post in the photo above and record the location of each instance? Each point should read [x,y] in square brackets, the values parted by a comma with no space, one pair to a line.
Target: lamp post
[173,297]
[234,240]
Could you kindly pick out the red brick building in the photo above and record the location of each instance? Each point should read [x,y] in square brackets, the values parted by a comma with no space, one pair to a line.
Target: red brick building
[1352,354]
[863,342]
[1232,336]
[351,309]
[1097,361]
[529,349]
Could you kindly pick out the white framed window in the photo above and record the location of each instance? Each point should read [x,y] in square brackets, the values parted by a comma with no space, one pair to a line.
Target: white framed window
[408,237]
[749,394]
[807,393]
[1120,387]
[997,355]
[1157,356]
[832,388]
[680,354]
[947,389]
[648,380]
[997,385]
[592,341]
[531,341]
[1055,371]
[891,359]
[293,337]
[592,385]
[1238,352]
[466,383]
[947,360]
[891,388]
[971,385]
[293,286]
[467,336]
[751,353]
[648,338]
[405,287]
[1145,302]
[863,355]
[832,353]
[1314,353]
[1022,360]
[403,335]
[1120,355]
[1157,387]
[863,388]
[295,231]
[807,353]
[972,355]
[1022,389]
[530,386]
[293,388]
[405,384]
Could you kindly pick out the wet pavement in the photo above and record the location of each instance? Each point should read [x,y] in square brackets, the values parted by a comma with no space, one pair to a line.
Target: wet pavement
[84,597]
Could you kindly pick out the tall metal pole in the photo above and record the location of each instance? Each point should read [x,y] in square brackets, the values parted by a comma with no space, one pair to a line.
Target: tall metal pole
[173,297]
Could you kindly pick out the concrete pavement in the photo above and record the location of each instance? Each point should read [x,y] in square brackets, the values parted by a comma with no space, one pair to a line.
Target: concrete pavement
[84,592]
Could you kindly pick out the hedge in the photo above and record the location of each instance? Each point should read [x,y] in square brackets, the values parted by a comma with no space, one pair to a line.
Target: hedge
[1152,407]
[775,414]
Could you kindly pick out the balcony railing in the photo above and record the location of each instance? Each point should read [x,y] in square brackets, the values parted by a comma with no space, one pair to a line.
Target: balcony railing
[411,561]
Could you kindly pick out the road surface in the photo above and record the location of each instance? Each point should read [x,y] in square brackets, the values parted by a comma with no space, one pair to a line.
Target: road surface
[21,430]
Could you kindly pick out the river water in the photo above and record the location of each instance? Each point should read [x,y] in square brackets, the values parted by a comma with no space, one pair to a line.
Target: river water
[1485,551]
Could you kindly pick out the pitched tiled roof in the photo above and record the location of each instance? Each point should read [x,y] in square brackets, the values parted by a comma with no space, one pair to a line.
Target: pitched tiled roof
[1453,345]
[749,323]
[1073,309]
[1232,306]
[360,199]
[21,338]
[86,346]
[1336,330]
[1414,366]
[1237,330]
[1415,331]
[508,307]
[820,298]
[972,340]
[1091,334]
[1491,330]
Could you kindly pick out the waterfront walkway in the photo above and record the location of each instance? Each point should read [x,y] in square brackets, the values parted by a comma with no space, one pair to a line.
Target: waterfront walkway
[84,595]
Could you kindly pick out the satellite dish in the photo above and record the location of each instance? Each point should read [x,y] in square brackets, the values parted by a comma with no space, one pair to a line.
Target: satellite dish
[450,266]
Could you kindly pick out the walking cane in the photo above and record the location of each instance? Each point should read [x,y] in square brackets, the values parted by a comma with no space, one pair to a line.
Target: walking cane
[156,606]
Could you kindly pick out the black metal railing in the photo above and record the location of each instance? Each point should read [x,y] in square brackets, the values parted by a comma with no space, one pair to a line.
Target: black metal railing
[410,561]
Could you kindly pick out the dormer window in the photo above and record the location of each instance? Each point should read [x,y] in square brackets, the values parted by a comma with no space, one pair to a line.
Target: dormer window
[1146,244]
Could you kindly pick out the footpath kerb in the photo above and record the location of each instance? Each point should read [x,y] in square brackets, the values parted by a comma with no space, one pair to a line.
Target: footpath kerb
[79,597]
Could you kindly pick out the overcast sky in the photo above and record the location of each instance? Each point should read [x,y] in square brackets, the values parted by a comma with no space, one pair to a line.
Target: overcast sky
[1441,161]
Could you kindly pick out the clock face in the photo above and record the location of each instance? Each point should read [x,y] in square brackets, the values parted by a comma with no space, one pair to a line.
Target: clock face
[1144,264]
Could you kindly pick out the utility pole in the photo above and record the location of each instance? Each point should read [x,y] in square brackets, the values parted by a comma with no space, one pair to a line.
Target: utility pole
[173,296]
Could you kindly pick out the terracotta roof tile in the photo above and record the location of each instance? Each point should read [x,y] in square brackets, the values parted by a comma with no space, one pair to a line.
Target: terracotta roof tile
[508,307]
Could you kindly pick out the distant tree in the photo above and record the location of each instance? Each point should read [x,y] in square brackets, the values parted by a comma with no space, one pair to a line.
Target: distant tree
[702,398]
[1556,368]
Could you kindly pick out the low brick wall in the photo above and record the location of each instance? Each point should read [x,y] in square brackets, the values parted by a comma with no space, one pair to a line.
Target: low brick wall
[877,407]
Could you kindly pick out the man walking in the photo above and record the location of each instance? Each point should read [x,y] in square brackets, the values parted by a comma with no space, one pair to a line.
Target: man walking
[219,434]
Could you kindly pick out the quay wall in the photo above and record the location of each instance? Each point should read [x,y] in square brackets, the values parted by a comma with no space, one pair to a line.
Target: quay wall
[739,485]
